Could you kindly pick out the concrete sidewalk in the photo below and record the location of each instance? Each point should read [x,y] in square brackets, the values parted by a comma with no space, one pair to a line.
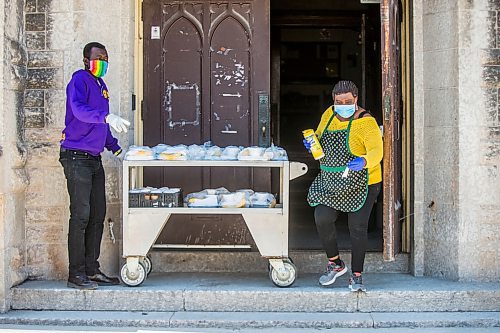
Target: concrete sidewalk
[251,320]
[41,329]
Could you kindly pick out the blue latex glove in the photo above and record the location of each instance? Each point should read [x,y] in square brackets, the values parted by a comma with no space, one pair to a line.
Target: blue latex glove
[357,164]
[307,145]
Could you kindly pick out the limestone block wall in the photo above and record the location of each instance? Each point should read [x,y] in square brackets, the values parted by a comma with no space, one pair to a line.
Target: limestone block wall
[479,137]
[456,139]
[13,179]
[56,32]
[440,127]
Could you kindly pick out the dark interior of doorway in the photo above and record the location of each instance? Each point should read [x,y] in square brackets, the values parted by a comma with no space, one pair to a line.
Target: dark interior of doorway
[314,44]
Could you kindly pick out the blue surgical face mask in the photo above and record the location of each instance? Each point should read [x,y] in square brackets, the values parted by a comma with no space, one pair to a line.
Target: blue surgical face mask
[345,111]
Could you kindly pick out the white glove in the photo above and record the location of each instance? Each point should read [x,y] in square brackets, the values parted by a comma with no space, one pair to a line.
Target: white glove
[120,155]
[118,123]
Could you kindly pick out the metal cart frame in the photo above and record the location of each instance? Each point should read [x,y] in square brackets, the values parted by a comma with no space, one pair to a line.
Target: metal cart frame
[268,226]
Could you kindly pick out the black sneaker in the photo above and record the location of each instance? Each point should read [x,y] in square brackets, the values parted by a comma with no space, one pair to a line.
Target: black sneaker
[104,280]
[81,282]
[356,283]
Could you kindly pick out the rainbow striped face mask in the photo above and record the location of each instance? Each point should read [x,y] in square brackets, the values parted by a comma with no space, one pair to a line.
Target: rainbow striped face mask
[98,67]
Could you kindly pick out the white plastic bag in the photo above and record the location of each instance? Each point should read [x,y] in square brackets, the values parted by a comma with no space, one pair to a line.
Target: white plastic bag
[262,200]
[232,200]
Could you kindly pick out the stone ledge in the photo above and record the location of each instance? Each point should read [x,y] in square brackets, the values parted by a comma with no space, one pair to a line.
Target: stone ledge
[227,292]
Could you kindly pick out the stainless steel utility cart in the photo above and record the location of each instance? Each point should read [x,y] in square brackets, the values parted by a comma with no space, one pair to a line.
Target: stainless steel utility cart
[268,226]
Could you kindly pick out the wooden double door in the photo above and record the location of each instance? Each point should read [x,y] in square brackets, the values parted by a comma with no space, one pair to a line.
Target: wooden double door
[206,79]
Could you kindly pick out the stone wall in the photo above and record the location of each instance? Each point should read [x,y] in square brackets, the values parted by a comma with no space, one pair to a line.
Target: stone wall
[13,179]
[456,151]
[479,137]
[56,32]
[440,130]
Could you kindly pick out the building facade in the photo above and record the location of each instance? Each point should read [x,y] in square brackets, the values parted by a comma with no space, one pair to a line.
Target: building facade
[451,64]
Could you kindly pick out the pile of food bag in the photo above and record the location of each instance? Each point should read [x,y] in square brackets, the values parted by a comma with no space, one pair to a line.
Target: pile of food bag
[221,197]
[206,151]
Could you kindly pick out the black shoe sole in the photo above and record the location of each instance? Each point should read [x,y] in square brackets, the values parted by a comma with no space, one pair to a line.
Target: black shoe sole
[101,283]
[80,287]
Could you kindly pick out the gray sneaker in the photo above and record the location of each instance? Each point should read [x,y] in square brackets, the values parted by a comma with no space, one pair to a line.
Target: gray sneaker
[332,273]
[356,283]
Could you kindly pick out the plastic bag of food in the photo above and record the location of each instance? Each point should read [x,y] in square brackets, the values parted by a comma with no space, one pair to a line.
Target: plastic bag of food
[262,200]
[172,153]
[248,193]
[196,152]
[230,153]
[213,153]
[200,200]
[232,200]
[139,153]
[253,153]
[276,153]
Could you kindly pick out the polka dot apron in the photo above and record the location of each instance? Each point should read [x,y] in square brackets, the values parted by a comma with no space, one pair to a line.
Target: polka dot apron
[346,194]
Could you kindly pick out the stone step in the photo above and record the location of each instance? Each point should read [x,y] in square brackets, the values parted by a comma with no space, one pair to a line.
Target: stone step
[252,262]
[249,292]
[245,320]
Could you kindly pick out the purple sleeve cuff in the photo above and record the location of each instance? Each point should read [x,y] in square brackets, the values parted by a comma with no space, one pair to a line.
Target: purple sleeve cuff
[115,149]
[111,142]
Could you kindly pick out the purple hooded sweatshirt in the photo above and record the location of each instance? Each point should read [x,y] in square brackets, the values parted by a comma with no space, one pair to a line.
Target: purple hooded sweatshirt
[87,105]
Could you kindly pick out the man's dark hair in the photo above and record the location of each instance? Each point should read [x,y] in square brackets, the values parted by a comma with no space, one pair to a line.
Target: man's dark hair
[344,87]
[89,46]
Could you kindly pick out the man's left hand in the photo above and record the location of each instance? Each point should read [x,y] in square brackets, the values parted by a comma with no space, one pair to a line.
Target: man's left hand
[357,164]
[120,155]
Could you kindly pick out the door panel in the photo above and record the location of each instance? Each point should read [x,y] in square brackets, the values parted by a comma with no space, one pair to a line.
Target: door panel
[230,90]
[200,84]
[229,62]
[182,84]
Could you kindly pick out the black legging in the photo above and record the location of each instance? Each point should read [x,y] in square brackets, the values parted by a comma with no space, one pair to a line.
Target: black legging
[325,218]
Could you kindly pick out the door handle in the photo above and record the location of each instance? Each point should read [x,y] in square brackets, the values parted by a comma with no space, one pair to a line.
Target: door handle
[264,119]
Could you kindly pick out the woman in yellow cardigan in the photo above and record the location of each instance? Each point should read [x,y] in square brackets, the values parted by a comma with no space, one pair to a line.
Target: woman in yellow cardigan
[349,179]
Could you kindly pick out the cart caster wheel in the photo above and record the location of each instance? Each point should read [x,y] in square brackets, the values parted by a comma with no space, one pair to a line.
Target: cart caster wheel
[148,264]
[270,267]
[286,277]
[133,279]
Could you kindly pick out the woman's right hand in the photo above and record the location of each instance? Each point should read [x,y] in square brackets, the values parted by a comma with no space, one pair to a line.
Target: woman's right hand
[307,144]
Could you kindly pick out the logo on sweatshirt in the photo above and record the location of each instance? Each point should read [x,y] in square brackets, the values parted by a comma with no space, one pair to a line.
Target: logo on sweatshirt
[105,93]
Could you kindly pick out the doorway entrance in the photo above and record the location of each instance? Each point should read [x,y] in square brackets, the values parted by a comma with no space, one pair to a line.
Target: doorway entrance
[313,46]
[289,76]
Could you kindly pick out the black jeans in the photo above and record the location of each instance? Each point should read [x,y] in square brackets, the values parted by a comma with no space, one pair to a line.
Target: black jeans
[325,218]
[85,182]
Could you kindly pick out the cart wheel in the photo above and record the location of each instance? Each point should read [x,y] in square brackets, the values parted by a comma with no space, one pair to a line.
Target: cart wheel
[270,267]
[133,279]
[284,278]
[148,264]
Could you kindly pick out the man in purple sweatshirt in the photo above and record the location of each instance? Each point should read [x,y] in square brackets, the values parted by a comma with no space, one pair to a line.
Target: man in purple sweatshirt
[85,136]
